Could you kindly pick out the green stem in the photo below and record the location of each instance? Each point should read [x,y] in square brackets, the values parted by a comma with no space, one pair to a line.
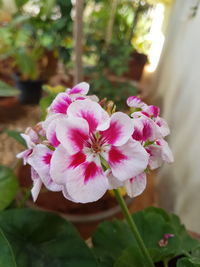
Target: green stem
[133,227]
[165,262]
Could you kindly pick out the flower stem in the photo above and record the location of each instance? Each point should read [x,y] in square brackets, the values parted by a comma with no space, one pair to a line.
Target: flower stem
[133,227]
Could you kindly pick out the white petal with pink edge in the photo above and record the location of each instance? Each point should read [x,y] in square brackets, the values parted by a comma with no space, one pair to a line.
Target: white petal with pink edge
[136,102]
[113,182]
[159,152]
[145,129]
[136,185]
[40,161]
[37,184]
[87,183]
[32,134]
[128,160]
[162,126]
[120,129]
[73,133]
[51,133]
[80,88]
[91,111]
[29,142]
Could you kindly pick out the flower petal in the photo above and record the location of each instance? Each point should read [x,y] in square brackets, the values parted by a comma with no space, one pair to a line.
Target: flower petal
[51,133]
[163,126]
[37,184]
[136,102]
[136,185]
[113,182]
[73,133]
[145,129]
[29,142]
[81,88]
[40,160]
[86,183]
[120,129]
[159,152]
[60,104]
[128,160]
[91,111]
[59,165]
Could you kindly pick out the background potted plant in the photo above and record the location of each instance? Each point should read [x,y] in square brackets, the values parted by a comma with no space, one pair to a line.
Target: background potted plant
[33,42]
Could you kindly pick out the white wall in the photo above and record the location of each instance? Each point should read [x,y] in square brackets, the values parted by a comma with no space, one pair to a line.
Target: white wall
[177,86]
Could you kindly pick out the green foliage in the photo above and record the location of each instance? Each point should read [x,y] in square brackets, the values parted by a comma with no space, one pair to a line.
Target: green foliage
[17,136]
[28,38]
[47,100]
[118,92]
[130,259]
[152,224]
[43,239]
[20,3]
[8,186]
[6,90]
[44,104]
[7,257]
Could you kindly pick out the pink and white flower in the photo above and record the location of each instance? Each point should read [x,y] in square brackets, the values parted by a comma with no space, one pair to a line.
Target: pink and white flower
[133,186]
[159,152]
[82,150]
[135,102]
[63,100]
[39,157]
[87,141]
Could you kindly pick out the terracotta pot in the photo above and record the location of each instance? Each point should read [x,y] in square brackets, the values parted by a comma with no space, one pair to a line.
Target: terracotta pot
[136,65]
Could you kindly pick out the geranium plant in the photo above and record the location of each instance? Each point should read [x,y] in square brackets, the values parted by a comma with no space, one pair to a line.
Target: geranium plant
[83,148]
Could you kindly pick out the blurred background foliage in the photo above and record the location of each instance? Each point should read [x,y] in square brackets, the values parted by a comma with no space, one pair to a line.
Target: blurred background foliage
[37,35]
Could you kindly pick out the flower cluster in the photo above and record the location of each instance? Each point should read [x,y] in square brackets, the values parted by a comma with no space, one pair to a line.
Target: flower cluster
[83,150]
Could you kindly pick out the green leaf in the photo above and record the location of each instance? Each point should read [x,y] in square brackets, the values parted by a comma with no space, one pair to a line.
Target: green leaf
[6,253]
[187,262]
[8,186]
[17,136]
[6,90]
[20,3]
[44,239]
[109,240]
[130,257]
[45,103]
[187,242]
[153,224]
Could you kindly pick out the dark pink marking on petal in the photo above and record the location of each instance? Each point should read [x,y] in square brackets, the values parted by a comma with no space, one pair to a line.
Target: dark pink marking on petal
[54,141]
[148,150]
[137,134]
[78,137]
[147,131]
[90,171]
[77,159]
[92,121]
[158,143]
[80,98]
[62,104]
[112,133]
[145,113]
[155,111]
[116,156]
[75,90]
[47,158]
